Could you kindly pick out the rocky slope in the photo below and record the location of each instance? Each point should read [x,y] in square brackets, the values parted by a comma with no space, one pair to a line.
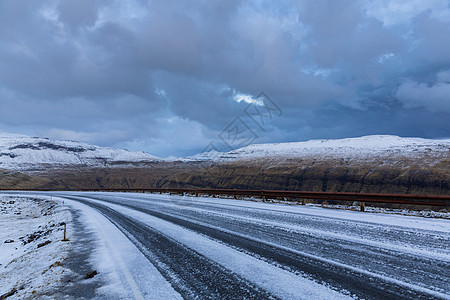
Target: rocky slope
[330,175]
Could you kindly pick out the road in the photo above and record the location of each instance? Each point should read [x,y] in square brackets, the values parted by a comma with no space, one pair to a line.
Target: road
[208,248]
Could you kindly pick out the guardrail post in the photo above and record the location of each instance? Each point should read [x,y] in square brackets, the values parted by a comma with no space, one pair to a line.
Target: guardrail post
[363,205]
[303,201]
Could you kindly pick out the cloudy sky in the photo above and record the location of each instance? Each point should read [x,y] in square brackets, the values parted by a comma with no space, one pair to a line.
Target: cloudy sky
[175,77]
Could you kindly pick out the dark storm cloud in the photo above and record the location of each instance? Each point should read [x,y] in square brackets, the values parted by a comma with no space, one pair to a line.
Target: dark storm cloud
[168,76]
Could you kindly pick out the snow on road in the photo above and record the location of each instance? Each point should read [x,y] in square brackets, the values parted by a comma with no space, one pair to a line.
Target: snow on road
[283,284]
[171,247]
[411,253]
[129,275]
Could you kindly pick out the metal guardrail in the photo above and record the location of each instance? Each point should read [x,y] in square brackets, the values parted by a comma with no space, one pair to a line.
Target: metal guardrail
[426,200]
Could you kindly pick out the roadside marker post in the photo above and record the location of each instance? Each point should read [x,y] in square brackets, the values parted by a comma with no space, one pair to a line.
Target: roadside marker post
[65,239]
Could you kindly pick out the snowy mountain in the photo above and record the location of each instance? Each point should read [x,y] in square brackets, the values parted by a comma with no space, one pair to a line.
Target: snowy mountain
[370,164]
[350,148]
[19,152]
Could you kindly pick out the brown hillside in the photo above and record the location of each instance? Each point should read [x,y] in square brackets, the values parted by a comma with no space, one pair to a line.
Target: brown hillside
[380,175]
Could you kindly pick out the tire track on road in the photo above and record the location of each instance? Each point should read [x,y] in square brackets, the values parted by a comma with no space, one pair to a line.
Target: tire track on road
[191,274]
[403,266]
[360,284]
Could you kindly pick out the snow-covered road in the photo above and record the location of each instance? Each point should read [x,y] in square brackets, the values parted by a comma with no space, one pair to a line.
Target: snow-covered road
[160,246]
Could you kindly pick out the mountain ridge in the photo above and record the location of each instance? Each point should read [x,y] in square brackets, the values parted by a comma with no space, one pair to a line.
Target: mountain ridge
[370,164]
[349,147]
[20,152]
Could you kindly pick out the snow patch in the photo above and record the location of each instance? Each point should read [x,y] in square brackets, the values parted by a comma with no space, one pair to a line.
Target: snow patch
[32,254]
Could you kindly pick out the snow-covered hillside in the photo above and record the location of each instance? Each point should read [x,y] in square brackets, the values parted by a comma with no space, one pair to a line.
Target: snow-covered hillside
[18,152]
[361,147]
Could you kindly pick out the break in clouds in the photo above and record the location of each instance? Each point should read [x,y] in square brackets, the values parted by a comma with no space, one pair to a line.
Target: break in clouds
[168,76]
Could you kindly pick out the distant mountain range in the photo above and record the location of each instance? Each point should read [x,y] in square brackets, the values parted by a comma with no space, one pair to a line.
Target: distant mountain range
[378,163]
[19,152]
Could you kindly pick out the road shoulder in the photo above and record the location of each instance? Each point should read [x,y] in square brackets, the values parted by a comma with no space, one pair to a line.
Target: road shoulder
[32,253]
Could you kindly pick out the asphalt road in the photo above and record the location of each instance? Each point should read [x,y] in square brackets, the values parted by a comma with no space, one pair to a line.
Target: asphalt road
[359,258]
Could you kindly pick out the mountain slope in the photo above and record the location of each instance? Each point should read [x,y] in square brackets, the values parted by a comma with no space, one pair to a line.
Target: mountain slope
[366,147]
[19,152]
[379,164]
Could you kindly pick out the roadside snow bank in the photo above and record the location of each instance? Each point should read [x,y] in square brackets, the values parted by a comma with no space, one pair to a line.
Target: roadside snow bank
[32,254]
